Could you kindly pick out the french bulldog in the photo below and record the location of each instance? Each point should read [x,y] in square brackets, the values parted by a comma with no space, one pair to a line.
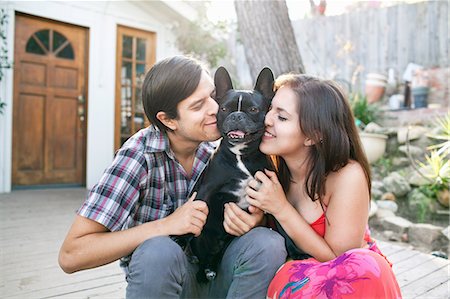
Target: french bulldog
[240,120]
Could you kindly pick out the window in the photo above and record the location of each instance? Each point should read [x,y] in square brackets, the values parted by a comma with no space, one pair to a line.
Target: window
[48,41]
[136,54]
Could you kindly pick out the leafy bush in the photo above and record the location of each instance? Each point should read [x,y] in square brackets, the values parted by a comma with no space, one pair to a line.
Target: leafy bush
[363,112]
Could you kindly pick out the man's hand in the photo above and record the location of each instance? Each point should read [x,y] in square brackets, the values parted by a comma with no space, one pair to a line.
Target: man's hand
[189,218]
[238,222]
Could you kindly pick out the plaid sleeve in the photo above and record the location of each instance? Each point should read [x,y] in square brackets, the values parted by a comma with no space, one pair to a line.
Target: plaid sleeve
[114,197]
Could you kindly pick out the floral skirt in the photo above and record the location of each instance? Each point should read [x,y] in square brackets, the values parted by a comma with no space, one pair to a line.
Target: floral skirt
[358,273]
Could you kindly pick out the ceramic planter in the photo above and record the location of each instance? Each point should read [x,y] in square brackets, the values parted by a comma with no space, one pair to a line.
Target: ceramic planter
[374,145]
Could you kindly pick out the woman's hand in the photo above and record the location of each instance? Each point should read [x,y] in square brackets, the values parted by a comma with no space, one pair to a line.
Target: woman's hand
[266,193]
[238,222]
[189,218]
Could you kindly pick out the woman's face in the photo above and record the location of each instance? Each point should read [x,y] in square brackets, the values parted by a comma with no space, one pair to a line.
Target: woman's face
[283,136]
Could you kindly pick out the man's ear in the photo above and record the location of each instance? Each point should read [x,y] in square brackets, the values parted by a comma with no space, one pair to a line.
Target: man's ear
[168,122]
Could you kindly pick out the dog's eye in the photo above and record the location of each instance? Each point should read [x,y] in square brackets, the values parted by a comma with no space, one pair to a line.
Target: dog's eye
[254,109]
[223,109]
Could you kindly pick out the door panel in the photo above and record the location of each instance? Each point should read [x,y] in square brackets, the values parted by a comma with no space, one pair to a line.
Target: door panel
[49,127]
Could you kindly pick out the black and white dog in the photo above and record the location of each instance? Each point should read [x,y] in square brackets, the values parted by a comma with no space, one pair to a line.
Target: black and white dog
[241,122]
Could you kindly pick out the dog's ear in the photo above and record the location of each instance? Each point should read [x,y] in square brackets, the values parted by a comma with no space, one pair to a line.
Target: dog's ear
[264,83]
[223,83]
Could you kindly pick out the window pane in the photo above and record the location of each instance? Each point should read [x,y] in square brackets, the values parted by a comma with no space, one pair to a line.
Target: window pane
[140,70]
[43,37]
[66,53]
[127,46]
[33,47]
[126,73]
[58,40]
[140,49]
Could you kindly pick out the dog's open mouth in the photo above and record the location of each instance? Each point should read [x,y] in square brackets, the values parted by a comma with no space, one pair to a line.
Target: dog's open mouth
[236,134]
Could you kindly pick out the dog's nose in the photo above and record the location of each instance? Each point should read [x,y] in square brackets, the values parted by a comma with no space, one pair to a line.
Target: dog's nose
[237,116]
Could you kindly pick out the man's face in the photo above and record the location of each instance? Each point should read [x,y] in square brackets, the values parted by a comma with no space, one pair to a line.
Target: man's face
[197,114]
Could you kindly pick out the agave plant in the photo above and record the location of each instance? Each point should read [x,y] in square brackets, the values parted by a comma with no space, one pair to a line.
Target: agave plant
[436,168]
[443,125]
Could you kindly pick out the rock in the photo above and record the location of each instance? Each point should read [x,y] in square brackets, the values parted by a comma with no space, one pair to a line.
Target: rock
[414,151]
[396,184]
[421,204]
[376,194]
[396,224]
[415,132]
[377,185]
[443,197]
[388,196]
[446,232]
[417,180]
[377,189]
[424,235]
[399,162]
[387,205]
[390,235]
[383,213]
[374,128]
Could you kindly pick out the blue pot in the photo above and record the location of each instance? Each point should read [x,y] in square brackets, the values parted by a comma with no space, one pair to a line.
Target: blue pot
[420,95]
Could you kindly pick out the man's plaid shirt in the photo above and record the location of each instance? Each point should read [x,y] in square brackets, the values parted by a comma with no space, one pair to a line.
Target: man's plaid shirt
[144,183]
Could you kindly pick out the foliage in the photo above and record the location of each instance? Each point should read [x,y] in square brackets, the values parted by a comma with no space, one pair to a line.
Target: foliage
[4,62]
[436,167]
[443,126]
[203,39]
[384,166]
[363,112]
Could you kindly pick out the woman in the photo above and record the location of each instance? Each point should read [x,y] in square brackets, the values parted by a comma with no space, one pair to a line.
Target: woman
[321,200]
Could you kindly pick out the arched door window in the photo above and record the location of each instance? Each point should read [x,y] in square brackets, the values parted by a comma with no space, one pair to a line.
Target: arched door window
[48,41]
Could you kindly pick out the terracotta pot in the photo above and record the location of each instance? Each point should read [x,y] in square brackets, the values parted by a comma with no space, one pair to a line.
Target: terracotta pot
[443,197]
[375,87]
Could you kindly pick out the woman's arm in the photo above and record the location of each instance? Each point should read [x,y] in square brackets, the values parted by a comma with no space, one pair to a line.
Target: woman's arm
[346,213]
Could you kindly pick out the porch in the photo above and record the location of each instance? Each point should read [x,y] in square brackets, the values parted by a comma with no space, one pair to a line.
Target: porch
[33,224]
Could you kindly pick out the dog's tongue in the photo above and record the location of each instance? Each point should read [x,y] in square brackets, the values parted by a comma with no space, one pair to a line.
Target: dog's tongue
[236,134]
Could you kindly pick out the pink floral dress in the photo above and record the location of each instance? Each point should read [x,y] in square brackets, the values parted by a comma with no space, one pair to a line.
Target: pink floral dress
[357,273]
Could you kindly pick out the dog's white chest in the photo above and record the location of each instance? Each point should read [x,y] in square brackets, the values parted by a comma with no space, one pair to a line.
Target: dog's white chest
[240,192]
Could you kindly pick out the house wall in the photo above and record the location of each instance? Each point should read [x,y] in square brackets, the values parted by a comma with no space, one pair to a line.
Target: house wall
[101,18]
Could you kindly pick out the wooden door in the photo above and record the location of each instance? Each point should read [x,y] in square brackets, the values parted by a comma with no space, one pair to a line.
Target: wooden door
[135,55]
[49,106]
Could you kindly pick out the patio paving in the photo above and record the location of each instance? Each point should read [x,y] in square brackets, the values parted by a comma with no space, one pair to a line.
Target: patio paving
[33,224]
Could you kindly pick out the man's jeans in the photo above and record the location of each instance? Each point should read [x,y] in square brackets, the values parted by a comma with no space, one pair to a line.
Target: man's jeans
[160,269]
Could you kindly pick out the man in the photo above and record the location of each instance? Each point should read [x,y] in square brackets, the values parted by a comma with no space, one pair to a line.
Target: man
[141,200]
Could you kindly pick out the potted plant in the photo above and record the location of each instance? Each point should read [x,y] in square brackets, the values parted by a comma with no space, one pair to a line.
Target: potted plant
[420,88]
[374,144]
[375,86]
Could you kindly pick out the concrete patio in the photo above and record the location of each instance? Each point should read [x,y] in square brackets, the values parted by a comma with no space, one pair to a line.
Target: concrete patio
[34,222]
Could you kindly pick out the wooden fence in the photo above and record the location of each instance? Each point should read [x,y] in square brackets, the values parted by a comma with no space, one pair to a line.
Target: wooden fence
[375,40]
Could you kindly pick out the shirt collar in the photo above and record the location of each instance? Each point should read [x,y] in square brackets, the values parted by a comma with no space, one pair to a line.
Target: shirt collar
[158,141]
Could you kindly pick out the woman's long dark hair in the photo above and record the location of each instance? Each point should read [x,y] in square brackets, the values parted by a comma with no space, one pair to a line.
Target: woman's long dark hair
[325,117]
